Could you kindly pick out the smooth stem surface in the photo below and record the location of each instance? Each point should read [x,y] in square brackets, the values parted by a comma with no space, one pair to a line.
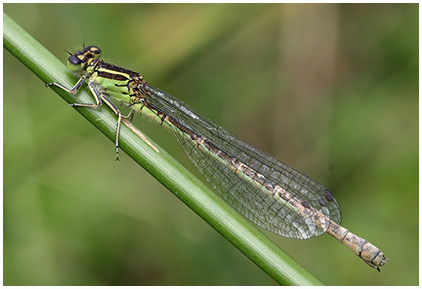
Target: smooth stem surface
[234,227]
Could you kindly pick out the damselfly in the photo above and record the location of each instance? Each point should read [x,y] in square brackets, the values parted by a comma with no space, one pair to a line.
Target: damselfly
[268,192]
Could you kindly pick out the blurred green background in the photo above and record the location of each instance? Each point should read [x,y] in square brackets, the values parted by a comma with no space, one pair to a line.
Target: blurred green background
[330,89]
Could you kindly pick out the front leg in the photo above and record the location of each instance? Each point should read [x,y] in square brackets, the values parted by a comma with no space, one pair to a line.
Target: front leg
[73,89]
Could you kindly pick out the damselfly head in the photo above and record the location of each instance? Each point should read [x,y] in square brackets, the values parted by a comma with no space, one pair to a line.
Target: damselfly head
[79,60]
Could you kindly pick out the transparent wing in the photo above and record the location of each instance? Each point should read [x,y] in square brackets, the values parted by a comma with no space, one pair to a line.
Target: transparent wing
[251,198]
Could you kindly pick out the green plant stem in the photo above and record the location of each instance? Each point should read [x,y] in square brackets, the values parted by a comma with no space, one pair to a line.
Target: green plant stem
[210,207]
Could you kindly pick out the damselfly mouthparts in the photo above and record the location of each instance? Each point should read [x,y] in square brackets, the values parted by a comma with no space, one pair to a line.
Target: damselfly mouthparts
[268,192]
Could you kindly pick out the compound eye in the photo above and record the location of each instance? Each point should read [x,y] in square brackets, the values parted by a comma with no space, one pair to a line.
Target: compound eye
[76,62]
[77,59]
